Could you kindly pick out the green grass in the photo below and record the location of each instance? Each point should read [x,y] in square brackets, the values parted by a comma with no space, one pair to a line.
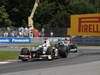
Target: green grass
[8,55]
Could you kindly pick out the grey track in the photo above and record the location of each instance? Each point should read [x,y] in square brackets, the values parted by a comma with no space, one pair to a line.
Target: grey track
[84,55]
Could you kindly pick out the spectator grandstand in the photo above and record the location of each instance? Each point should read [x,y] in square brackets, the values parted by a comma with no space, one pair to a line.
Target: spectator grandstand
[16,32]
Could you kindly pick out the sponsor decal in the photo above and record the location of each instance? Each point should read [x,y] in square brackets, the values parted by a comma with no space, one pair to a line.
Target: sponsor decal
[21,40]
[89,24]
[85,24]
[4,40]
[15,40]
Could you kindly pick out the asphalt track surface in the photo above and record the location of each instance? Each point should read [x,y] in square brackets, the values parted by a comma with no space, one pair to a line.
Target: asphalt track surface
[85,55]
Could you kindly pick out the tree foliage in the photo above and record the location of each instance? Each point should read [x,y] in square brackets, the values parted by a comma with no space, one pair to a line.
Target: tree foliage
[81,8]
[4,17]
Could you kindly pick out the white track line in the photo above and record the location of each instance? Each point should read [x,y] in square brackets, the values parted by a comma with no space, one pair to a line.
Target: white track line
[4,62]
[8,61]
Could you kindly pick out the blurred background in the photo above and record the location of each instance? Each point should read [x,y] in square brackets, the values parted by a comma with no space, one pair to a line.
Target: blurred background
[51,19]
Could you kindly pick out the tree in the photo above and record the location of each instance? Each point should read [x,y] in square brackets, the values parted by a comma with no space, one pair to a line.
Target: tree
[4,17]
[81,8]
[50,13]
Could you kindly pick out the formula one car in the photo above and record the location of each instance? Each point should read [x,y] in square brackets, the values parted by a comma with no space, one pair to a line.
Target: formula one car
[27,55]
[57,51]
[71,45]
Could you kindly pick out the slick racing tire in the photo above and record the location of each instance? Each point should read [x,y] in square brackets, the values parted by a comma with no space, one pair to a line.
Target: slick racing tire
[24,51]
[50,54]
[62,52]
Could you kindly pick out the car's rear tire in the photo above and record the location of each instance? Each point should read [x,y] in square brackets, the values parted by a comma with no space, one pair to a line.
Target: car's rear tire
[64,54]
[50,53]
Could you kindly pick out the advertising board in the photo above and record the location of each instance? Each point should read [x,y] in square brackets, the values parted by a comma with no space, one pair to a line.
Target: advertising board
[85,24]
[15,40]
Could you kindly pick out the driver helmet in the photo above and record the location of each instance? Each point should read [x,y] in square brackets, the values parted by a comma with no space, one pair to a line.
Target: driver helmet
[45,40]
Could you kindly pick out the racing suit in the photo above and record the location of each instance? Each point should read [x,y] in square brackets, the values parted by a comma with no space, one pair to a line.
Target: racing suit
[45,45]
[66,44]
